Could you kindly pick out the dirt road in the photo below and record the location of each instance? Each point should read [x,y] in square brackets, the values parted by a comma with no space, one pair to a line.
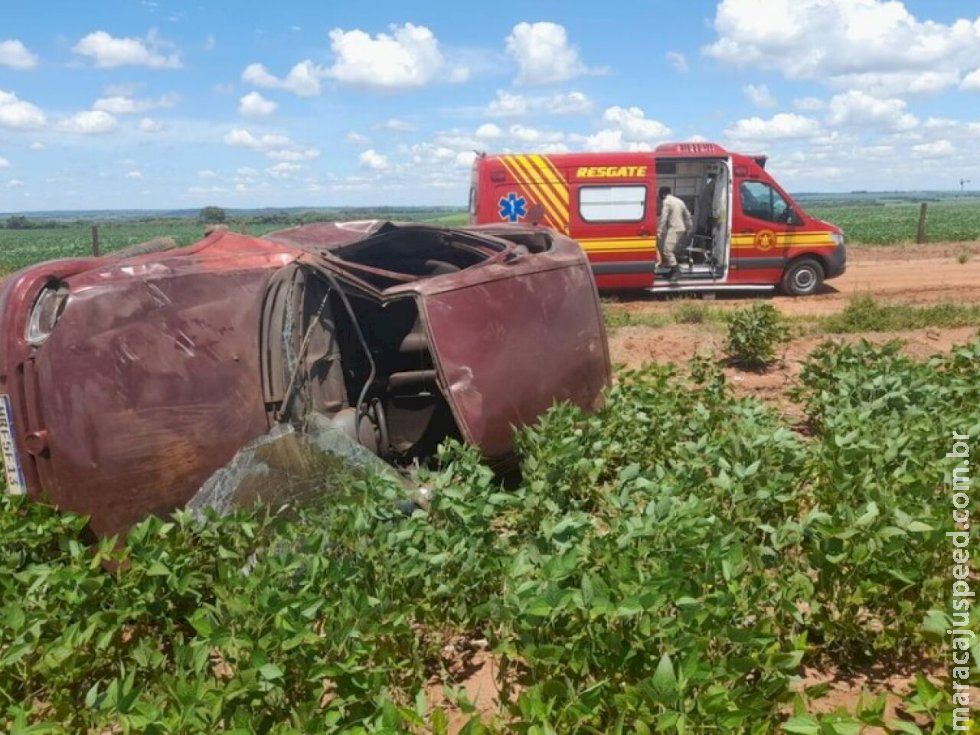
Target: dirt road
[916,274]
[901,274]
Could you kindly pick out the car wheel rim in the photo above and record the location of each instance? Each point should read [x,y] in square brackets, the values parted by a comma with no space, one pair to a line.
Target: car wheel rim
[804,279]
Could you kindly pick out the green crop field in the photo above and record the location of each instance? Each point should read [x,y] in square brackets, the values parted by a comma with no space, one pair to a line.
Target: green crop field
[864,221]
[671,564]
[49,239]
[888,223]
[19,248]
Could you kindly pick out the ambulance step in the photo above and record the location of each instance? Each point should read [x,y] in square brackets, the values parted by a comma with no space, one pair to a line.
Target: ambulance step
[689,285]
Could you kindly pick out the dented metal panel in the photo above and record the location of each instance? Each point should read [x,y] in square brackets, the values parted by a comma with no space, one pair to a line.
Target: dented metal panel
[156,369]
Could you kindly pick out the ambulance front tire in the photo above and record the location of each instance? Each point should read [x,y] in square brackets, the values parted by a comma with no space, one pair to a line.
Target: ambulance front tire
[803,277]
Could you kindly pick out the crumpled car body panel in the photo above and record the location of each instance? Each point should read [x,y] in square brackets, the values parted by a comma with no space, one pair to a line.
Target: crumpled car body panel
[150,380]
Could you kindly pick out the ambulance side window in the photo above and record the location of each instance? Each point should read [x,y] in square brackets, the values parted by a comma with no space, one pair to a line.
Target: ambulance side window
[612,203]
[761,201]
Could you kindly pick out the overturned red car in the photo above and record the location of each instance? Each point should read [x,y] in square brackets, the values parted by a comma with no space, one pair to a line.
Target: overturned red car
[126,382]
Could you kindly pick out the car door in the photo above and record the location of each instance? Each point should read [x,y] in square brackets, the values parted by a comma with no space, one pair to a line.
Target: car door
[763,220]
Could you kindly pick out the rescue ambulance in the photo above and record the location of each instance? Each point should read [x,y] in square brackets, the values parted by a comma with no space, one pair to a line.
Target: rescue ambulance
[748,234]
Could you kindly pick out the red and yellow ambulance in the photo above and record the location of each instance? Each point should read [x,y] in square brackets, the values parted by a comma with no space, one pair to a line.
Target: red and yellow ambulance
[748,234]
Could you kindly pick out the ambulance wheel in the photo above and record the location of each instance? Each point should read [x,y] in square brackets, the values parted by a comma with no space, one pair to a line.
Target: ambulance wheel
[803,277]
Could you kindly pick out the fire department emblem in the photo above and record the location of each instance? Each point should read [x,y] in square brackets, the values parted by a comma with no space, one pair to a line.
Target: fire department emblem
[765,239]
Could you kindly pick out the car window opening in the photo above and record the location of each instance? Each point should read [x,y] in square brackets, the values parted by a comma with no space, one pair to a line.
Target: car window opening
[315,368]
[414,252]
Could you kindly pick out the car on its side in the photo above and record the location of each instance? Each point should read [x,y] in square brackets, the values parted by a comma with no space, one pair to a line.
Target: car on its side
[126,382]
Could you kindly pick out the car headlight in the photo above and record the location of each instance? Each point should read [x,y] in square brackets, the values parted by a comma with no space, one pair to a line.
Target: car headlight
[837,238]
[48,306]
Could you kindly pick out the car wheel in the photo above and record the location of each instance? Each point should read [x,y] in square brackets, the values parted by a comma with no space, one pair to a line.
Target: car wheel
[803,277]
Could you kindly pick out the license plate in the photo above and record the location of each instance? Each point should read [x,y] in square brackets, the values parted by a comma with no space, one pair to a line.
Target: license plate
[11,462]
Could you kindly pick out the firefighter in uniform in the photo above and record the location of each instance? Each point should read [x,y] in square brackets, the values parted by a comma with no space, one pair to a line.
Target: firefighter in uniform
[673,228]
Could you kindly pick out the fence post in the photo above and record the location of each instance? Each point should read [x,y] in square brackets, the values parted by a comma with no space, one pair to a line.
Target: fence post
[95,240]
[920,235]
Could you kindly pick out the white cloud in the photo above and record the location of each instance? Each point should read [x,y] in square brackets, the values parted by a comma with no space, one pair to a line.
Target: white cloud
[543,54]
[508,104]
[464,159]
[612,140]
[373,160]
[106,51]
[19,115]
[254,104]
[207,174]
[303,79]
[935,149]
[809,104]
[678,61]
[149,125]
[400,126]
[407,57]
[875,45]
[294,152]
[210,42]
[971,82]
[627,129]
[125,105]
[759,95]
[276,147]
[533,136]
[134,175]
[488,130]
[89,122]
[571,103]
[632,121]
[857,108]
[783,126]
[4,163]
[355,138]
[14,54]
[284,170]
[450,150]
[37,146]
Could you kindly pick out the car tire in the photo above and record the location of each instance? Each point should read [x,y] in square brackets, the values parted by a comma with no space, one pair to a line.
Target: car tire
[803,277]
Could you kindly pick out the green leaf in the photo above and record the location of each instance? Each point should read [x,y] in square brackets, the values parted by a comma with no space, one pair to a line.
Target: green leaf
[270,672]
[802,725]
[664,679]
[158,569]
[919,527]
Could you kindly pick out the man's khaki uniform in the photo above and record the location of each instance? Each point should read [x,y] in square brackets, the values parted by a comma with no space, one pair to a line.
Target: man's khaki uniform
[675,223]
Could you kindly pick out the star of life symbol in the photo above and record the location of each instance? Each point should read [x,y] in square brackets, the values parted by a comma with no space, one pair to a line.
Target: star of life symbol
[512,207]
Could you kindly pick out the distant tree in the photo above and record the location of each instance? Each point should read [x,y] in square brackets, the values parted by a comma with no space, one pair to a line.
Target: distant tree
[213,214]
[18,223]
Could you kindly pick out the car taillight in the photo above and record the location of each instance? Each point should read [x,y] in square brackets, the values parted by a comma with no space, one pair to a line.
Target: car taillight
[48,306]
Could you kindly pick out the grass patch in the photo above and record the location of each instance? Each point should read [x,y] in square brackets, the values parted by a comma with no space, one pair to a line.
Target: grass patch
[617,317]
[685,312]
[865,314]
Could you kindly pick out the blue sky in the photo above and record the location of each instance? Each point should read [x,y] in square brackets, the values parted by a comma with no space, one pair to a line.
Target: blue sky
[165,104]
